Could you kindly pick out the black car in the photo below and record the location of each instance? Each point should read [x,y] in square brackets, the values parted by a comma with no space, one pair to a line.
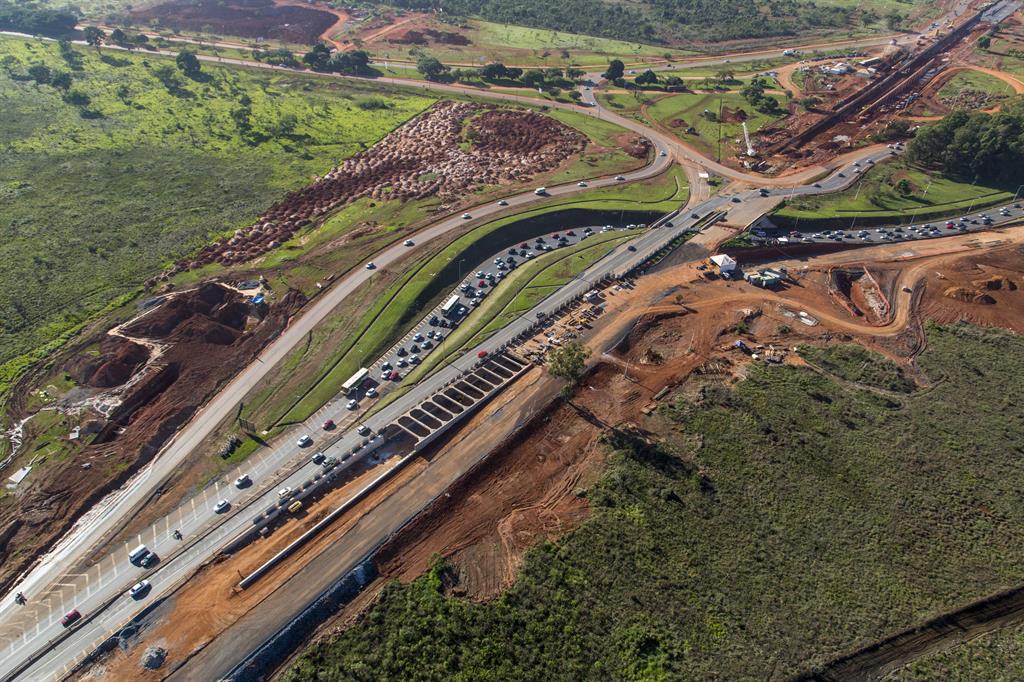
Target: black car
[149,560]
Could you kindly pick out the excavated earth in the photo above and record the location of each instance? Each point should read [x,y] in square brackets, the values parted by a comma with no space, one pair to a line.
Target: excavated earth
[206,335]
[246,18]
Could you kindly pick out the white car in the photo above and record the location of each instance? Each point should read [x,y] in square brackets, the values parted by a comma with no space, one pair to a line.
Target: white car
[303,441]
[371,266]
[581,184]
[363,430]
[352,404]
[466,216]
[663,153]
[242,481]
[502,203]
[371,392]
[408,242]
[138,589]
[284,493]
[221,507]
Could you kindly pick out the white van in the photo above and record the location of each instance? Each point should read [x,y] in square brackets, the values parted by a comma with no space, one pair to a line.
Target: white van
[138,554]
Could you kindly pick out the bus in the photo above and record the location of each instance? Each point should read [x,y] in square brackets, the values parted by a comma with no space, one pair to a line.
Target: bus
[355,382]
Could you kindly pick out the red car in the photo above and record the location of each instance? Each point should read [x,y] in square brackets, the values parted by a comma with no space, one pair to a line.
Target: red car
[70,617]
[482,354]
[328,425]
[571,233]
[481,284]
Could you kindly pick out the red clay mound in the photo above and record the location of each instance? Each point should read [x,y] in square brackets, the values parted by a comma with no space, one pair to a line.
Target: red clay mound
[425,36]
[214,303]
[246,18]
[119,359]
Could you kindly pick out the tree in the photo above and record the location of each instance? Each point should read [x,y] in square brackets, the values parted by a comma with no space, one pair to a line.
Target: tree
[61,80]
[188,63]
[318,58]
[40,73]
[648,77]
[568,361]
[494,71]
[431,67]
[94,36]
[119,37]
[616,69]
[984,42]
[533,78]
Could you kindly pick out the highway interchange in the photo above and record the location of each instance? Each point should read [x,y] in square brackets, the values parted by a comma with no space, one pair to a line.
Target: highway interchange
[32,641]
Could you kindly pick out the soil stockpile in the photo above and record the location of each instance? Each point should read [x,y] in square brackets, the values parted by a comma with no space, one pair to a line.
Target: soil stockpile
[117,361]
[208,334]
[246,18]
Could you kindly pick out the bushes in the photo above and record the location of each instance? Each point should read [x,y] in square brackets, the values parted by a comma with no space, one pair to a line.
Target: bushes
[761,528]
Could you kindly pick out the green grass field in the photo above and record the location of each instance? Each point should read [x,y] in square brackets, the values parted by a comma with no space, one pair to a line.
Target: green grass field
[99,196]
[974,80]
[520,45]
[690,107]
[343,345]
[877,199]
[748,532]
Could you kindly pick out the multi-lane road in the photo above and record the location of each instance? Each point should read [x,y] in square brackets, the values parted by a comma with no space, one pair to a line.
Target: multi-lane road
[32,642]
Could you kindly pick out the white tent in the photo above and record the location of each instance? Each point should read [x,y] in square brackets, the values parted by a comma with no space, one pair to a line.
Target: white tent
[724,262]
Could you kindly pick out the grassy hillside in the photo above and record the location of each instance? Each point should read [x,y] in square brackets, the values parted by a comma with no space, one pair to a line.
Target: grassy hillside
[106,181]
[670,21]
[760,531]
[881,197]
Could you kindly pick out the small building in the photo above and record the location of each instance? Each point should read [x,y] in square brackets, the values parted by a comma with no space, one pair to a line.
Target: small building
[726,265]
[840,69]
[766,279]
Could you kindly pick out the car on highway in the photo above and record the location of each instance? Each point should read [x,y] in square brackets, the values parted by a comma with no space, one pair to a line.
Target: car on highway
[329,424]
[663,153]
[352,404]
[502,202]
[408,242]
[319,458]
[371,392]
[619,178]
[371,266]
[285,492]
[540,191]
[466,216]
[631,247]
[304,441]
[243,481]
[363,430]
[139,589]
[149,560]
[221,507]
[581,184]
[70,618]
[482,354]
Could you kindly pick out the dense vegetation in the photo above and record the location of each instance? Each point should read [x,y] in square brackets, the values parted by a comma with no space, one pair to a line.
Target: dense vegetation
[779,523]
[29,17]
[110,167]
[975,147]
[657,20]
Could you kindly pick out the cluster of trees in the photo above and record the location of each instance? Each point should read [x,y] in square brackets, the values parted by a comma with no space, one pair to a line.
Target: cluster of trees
[974,147]
[754,93]
[278,57]
[31,17]
[551,80]
[354,63]
[654,20]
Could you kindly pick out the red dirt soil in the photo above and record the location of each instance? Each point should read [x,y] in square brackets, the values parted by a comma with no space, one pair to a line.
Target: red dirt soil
[207,336]
[245,18]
